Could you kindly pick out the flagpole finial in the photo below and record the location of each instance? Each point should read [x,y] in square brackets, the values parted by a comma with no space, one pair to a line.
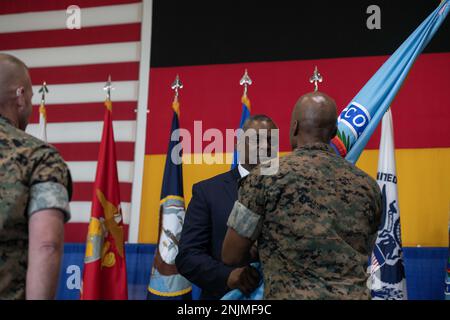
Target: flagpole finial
[43,90]
[316,78]
[108,88]
[177,85]
[245,81]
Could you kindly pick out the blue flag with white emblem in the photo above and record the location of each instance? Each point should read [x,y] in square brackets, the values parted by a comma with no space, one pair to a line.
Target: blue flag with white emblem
[387,271]
[359,119]
[165,281]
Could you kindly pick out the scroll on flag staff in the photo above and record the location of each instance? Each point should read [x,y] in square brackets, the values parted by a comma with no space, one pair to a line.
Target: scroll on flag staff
[43,113]
[105,273]
[359,119]
[246,108]
[165,281]
[387,271]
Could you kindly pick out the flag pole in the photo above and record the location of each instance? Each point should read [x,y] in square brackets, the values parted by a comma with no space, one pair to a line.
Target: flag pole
[316,78]
[245,81]
[43,112]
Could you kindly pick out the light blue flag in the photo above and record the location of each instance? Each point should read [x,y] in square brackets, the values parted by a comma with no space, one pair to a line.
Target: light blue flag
[359,119]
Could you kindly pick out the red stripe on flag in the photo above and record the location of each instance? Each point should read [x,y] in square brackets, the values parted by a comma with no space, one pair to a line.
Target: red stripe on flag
[88,151]
[76,232]
[85,112]
[123,71]
[22,6]
[66,37]
[421,118]
[83,191]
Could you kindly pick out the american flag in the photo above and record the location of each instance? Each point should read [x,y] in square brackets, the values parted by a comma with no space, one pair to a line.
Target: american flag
[76,63]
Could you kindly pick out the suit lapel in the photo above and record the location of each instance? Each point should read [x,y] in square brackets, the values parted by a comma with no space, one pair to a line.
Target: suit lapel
[231,183]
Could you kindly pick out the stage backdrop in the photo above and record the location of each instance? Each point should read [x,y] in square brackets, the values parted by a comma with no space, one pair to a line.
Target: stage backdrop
[210,44]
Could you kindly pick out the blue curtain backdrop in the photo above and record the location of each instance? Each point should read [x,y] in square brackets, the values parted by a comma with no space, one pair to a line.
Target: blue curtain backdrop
[425,272]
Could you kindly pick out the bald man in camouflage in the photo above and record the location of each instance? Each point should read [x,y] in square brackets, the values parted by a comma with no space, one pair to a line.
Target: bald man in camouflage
[314,221]
[35,189]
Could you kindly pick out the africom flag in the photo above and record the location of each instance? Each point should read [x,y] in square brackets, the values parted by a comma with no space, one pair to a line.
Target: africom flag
[359,119]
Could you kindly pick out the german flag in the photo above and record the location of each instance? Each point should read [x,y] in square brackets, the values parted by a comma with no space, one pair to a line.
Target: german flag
[213,42]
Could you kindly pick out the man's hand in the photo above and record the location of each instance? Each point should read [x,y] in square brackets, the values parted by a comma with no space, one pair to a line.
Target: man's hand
[245,279]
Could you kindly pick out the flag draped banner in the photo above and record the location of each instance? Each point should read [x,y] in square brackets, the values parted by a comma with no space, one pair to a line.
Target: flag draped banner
[165,281]
[359,119]
[246,107]
[387,272]
[104,274]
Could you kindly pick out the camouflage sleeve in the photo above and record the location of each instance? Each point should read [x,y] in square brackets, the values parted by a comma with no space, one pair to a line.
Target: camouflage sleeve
[377,207]
[50,183]
[247,215]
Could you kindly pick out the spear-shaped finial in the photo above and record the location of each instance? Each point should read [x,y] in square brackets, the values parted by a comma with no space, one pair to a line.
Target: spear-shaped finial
[108,88]
[176,86]
[245,81]
[43,90]
[316,77]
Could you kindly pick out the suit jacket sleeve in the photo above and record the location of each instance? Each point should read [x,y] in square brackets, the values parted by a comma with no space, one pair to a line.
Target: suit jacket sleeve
[194,261]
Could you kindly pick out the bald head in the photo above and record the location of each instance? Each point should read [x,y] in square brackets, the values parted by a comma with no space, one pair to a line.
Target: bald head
[313,119]
[15,90]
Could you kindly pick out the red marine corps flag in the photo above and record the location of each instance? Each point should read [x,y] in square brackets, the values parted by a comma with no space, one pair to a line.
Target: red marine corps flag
[105,275]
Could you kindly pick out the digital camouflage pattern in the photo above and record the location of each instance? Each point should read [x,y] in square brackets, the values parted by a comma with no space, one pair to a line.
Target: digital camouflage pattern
[33,177]
[315,223]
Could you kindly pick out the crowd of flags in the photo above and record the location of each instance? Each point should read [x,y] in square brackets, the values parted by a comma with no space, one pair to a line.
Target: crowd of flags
[104,274]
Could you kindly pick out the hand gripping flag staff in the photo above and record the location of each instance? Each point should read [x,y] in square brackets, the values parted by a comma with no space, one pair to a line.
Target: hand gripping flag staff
[359,119]
[246,107]
[387,272]
[43,113]
[165,281]
[105,274]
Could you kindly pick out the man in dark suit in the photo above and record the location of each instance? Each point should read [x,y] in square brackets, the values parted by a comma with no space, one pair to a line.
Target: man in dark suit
[205,225]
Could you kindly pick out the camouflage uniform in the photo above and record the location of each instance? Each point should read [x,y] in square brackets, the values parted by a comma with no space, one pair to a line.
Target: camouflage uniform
[33,177]
[315,222]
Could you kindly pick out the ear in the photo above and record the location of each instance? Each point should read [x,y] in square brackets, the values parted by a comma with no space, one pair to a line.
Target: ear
[21,103]
[295,128]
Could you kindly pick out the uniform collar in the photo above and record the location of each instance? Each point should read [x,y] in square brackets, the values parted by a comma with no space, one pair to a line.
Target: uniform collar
[317,146]
[242,171]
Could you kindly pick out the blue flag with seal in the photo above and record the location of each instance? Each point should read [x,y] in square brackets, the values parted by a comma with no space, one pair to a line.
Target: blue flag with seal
[386,267]
[359,119]
[165,281]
